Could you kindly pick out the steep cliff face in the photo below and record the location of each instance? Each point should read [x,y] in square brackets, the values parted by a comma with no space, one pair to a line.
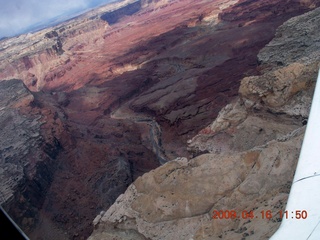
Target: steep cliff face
[250,10]
[46,55]
[28,152]
[245,159]
[114,16]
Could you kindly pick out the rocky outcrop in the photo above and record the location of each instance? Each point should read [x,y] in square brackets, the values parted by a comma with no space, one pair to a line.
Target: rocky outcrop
[28,154]
[245,159]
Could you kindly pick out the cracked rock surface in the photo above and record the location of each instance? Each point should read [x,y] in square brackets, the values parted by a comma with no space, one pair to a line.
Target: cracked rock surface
[27,155]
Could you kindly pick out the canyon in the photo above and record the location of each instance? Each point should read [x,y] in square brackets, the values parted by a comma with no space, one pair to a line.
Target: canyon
[138,119]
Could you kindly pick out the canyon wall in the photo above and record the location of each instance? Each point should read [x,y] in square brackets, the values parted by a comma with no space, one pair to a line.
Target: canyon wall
[245,159]
[43,56]
[29,151]
[114,16]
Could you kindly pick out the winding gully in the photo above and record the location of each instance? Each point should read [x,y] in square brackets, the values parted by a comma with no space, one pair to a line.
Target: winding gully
[155,132]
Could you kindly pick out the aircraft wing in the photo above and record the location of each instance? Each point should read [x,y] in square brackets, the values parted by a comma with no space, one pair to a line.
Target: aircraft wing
[301,219]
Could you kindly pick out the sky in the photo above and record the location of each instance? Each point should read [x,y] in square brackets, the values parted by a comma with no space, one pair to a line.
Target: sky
[17,16]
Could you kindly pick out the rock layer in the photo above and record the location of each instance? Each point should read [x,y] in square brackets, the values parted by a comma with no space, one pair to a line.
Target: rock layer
[28,152]
[251,150]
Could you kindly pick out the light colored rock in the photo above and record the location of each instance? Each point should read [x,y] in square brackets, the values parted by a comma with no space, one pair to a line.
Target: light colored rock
[294,56]
[275,89]
[230,115]
[176,200]
[254,146]
[238,130]
[297,40]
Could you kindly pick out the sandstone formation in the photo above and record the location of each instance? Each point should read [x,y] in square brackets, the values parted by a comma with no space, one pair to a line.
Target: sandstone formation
[245,159]
[108,102]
